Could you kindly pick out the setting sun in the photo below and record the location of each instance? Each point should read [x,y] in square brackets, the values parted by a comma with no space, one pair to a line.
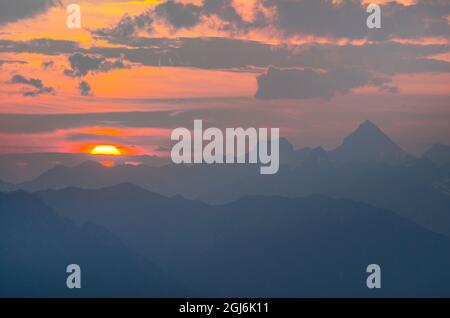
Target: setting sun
[105,150]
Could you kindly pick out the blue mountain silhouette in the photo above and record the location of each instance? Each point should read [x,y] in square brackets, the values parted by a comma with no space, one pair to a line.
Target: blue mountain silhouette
[268,246]
[37,245]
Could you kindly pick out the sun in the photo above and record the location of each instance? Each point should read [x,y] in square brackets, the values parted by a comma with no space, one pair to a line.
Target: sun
[105,150]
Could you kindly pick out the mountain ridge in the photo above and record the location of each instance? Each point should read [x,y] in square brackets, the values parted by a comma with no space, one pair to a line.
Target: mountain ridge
[37,245]
[306,244]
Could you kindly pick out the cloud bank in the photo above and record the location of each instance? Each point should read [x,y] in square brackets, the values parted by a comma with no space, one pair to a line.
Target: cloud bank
[39,87]
[14,10]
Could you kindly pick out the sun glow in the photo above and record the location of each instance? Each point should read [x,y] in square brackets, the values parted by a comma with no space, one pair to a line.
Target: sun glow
[105,150]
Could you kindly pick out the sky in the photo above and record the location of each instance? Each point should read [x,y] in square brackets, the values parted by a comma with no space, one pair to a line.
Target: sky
[137,69]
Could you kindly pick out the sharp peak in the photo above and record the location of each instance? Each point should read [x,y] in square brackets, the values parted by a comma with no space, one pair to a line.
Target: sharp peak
[366,128]
[367,131]
[368,124]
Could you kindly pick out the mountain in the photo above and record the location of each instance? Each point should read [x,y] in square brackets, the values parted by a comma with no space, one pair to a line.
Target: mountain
[316,156]
[89,174]
[168,180]
[15,168]
[439,154]
[18,168]
[268,246]
[5,186]
[417,189]
[37,245]
[368,144]
[141,217]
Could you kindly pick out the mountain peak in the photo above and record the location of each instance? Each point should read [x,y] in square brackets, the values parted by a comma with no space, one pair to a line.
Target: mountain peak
[369,125]
[368,143]
[368,132]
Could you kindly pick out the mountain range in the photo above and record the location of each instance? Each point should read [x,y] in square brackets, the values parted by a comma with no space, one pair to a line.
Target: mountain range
[263,246]
[225,230]
[366,144]
[17,168]
[37,245]
[380,174]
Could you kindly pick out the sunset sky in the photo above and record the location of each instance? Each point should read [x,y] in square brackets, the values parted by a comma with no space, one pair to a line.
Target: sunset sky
[138,69]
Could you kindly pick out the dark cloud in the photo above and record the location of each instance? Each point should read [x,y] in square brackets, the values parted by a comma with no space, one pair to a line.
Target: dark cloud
[13,10]
[40,46]
[47,64]
[85,88]
[31,123]
[323,18]
[81,64]
[308,83]
[39,87]
[425,18]
[225,10]
[223,53]
[208,53]
[84,136]
[347,19]
[389,89]
[384,57]
[327,18]
[3,62]
[42,123]
[179,15]
[163,149]
[128,26]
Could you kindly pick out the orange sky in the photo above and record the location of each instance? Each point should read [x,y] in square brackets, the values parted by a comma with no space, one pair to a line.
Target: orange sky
[143,83]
